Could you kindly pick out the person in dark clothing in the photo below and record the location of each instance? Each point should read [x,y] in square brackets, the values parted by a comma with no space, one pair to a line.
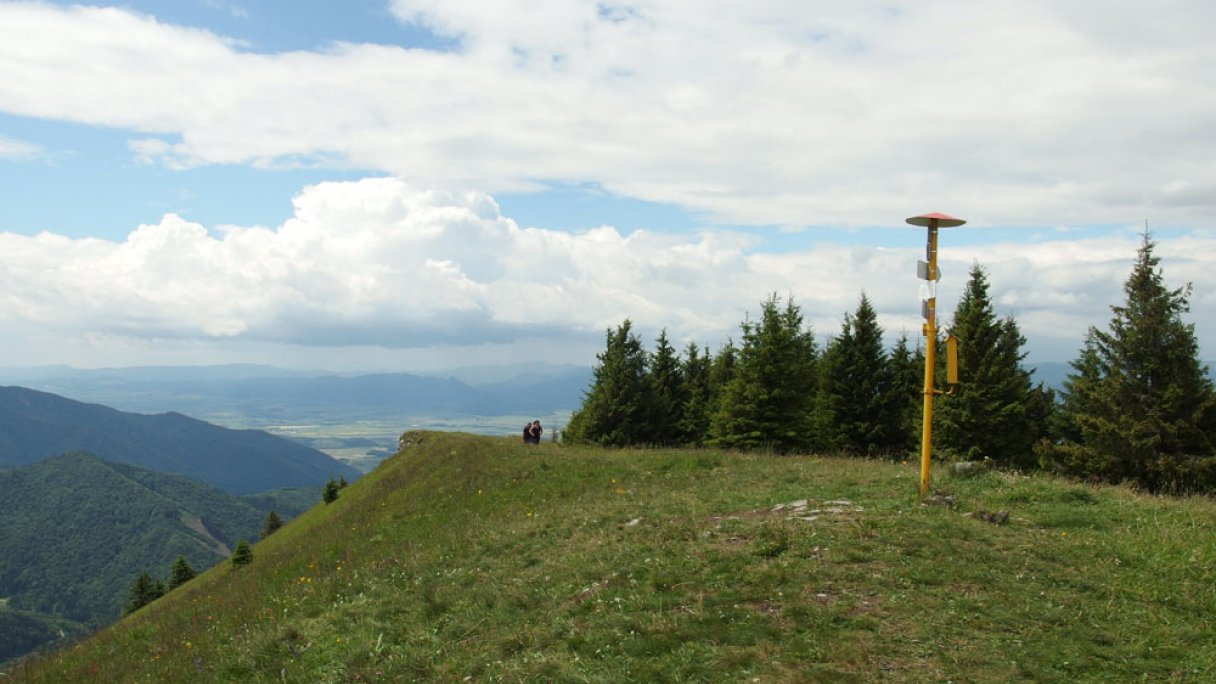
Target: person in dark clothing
[532,432]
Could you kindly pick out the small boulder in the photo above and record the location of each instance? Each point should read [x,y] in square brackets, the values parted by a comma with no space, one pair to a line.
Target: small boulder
[967,468]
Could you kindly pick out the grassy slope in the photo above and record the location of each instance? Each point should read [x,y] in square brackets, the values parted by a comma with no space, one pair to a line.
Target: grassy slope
[479,557]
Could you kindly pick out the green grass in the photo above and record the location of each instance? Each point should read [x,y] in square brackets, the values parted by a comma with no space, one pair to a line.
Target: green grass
[480,558]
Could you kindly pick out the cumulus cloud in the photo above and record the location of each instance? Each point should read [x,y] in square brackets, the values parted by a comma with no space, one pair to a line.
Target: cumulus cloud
[766,113]
[372,262]
[379,263]
[770,113]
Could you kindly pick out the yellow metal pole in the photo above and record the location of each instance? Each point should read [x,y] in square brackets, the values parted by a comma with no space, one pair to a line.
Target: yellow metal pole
[926,437]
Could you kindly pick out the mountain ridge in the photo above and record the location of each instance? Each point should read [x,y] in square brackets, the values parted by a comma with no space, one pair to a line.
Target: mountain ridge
[269,395]
[37,425]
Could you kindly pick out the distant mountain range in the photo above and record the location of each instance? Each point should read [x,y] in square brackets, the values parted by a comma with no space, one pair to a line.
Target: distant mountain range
[75,530]
[226,394]
[38,425]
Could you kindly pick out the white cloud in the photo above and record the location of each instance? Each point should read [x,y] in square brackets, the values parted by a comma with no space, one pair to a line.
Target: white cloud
[379,264]
[229,8]
[1035,114]
[777,112]
[17,149]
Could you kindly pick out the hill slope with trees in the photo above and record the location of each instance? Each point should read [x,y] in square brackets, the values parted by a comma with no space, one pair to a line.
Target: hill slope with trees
[37,425]
[75,530]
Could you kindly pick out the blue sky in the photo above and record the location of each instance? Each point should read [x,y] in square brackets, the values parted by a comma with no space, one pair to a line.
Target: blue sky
[405,184]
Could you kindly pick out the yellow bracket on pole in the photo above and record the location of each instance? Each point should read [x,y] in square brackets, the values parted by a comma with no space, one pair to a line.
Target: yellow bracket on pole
[933,222]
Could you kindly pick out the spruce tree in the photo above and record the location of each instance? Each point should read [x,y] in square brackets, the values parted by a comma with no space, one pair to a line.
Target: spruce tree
[908,382]
[859,406]
[768,403]
[613,410]
[270,524]
[997,412]
[180,573]
[694,417]
[665,394]
[242,554]
[1139,406]
[143,590]
[329,493]
[721,372]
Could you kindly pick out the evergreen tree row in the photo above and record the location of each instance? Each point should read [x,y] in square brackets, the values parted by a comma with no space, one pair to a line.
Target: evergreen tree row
[1139,406]
[145,589]
[779,392]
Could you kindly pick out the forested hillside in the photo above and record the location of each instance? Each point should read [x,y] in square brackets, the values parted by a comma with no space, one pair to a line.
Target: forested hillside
[22,631]
[36,425]
[76,530]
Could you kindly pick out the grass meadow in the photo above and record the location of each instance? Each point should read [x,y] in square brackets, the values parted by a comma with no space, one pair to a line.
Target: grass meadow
[469,558]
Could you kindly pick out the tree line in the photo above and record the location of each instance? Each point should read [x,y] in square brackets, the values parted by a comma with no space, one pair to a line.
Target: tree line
[1137,407]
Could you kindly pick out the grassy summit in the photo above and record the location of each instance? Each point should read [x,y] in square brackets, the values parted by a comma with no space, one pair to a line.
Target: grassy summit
[479,557]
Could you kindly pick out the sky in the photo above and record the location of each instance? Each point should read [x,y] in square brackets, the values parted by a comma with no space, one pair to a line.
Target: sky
[418,184]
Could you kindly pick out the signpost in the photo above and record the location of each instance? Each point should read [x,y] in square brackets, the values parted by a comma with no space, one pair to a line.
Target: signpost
[927,271]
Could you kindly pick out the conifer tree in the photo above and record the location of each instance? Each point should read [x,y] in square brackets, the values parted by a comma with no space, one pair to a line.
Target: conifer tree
[242,554]
[1139,406]
[768,403]
[612,413]
[721,372]
[996,412]
[180,573]
[270,524]
[329,493]
[907,382]
[665,394]
[860,409]
[694,417]
[143,590]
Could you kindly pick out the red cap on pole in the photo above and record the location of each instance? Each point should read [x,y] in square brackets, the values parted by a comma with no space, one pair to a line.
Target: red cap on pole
[942,220]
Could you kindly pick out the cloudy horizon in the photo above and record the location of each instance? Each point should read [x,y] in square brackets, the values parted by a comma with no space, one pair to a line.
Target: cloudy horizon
[411,184]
